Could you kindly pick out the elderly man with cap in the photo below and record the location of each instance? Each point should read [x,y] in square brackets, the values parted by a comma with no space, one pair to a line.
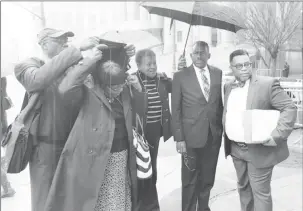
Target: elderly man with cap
[56,116]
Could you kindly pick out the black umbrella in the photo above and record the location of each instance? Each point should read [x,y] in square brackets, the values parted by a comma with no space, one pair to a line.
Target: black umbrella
[198,13]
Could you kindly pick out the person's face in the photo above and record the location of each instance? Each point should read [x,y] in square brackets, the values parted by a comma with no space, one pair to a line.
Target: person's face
[53,46]
[115,90]
[241,67]
[200,56]
[148,66]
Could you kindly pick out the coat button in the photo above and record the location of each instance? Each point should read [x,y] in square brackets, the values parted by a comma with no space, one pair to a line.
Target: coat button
[95,129]
[90,151]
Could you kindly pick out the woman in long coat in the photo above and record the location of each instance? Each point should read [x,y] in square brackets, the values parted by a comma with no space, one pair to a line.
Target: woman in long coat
[97,169]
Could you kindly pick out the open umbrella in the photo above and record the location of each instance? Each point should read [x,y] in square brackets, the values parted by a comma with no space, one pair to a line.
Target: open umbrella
[198,13]
[141,39]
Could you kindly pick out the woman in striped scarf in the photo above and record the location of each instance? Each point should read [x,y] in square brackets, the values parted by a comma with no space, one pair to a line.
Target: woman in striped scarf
[156,120]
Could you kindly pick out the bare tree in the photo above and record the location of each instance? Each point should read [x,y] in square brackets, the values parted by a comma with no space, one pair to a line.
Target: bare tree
[271,25]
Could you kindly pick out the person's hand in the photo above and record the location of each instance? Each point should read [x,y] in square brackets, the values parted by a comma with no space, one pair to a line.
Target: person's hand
[89,43]
[270,142]
[162,75]
[181,62]
[134,81]
[95,53]
[181,147]
[130,50]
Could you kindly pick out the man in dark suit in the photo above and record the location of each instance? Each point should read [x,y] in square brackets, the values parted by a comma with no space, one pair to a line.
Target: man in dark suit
[254,163]
[197,125]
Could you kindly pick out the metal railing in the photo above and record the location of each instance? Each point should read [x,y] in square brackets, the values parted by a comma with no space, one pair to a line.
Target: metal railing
[294,91]
[267,72]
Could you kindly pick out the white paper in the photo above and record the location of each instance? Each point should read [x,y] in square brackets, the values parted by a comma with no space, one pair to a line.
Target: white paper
[256,125]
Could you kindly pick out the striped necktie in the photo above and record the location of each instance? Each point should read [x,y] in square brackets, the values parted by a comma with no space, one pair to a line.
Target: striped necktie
[205,85]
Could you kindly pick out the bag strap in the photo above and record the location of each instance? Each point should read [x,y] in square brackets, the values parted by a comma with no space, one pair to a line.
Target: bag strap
[138,120]
[24,114]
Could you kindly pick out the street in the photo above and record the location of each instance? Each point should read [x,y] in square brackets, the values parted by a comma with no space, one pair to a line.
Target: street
[286,182]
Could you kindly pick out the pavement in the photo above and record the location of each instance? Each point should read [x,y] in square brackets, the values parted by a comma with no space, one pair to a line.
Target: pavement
[286,182]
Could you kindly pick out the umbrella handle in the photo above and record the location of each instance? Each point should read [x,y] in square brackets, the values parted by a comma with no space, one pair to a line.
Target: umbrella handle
[186,40]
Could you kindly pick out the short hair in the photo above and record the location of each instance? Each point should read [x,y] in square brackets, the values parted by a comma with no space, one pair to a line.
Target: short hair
[238,52]
[144,53]
[202,44]
[110,67]
[111,73]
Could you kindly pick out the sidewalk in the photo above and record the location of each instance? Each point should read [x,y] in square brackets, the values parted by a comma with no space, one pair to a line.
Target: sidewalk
[286,181]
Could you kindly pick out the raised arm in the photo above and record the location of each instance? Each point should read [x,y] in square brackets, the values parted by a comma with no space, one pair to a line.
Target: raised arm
[35,75]
[288,112]
[71,86]
[72,83]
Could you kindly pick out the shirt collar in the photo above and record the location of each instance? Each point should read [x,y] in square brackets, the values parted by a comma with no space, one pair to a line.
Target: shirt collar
[197,69]
[236,83]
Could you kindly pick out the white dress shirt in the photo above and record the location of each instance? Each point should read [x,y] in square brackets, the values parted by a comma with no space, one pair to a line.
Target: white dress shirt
[199,76]
[236,105]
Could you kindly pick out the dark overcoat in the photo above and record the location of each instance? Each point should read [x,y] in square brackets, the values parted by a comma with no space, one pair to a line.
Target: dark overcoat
[80,171]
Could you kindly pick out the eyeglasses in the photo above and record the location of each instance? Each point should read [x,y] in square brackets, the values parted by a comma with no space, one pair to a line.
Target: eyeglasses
[187,161]
[240,66]
[118,87]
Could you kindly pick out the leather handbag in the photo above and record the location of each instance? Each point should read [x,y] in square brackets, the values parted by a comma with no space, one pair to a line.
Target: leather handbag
[17,139]
[143,158]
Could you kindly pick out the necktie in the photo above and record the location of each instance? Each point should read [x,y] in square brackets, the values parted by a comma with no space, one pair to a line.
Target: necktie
[205,85]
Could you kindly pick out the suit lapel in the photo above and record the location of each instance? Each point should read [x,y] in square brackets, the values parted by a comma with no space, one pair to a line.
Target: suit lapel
[227,92]
[125,101]
[99,94]
[251,92]
[193,80]
[212,81]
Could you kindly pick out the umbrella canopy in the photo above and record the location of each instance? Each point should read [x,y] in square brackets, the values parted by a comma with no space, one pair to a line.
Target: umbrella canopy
[198,13]
[141,39]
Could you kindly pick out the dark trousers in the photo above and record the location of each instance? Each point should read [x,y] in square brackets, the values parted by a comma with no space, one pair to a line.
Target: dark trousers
[42,168]
[253,183]
[198,175]
[147,194]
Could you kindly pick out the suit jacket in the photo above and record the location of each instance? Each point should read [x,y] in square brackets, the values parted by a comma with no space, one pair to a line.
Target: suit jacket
[56,117]
[164,87]
[266,93]
[192,115]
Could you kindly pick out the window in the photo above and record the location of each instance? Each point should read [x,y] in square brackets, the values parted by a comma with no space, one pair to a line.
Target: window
[214,37]
[179,36]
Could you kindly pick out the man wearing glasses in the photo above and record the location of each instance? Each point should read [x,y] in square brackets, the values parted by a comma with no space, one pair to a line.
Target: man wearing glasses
[197,111]
[254,163]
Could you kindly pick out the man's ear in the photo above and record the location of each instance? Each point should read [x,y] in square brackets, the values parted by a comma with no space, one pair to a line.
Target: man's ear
[209,56]
[44,46]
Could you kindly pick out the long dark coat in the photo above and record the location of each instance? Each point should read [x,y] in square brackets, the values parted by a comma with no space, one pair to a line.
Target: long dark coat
[80,171]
